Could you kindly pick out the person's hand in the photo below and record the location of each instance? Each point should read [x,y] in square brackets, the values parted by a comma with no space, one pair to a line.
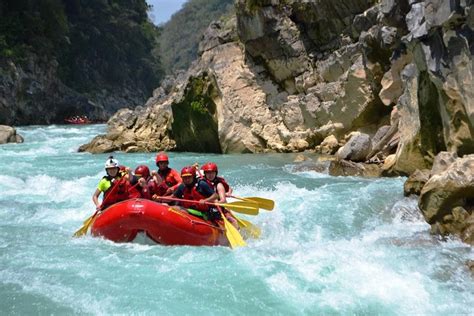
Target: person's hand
[142,182]
[202,202]
[169,191]
[98,207]
[154,173]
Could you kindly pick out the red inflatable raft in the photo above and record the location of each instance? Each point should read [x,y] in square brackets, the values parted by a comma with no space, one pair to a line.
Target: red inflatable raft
[165,225]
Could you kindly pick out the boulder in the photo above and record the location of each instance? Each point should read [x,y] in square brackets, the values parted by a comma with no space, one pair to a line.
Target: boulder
[415,182]
[442,162]
[447,199]
[356,149]
[350,168]
[8,135]
[329,145]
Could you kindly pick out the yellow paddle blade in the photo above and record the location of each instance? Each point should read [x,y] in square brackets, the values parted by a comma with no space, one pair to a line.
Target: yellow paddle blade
[243,207]
[232,234]
[266,204]
[85,227]
[248,228]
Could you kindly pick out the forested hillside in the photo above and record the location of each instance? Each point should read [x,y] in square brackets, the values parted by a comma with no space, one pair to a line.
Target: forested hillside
[74,57]
[180,36]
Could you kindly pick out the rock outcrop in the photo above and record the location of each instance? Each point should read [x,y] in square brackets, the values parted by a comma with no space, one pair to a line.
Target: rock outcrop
[447,199]
[284,76]
[431,79]
[34,94]
[8,135]
[262,84]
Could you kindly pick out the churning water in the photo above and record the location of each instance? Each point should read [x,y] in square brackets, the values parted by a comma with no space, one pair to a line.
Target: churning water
[332,245]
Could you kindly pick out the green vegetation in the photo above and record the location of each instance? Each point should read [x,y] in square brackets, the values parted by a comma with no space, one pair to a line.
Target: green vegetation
[99,44]
[180,37]
[195,126]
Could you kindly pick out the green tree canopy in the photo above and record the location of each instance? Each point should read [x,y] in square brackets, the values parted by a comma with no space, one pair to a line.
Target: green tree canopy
[180,36]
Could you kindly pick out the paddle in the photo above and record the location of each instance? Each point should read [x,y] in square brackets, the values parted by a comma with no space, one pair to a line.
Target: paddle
[83,230]
[90,220]
[266,204]
[243,207]
[253,230]
[232,234]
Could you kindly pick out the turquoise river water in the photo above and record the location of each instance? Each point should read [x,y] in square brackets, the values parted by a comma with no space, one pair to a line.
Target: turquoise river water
[331,246]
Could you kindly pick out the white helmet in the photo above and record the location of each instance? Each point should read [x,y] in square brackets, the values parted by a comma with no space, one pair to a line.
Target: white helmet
[111,163]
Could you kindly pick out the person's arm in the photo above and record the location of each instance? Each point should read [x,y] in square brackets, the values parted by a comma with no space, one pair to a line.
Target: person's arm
[177,179]
[221,193]
[95,199]
[205,189]
[212,198]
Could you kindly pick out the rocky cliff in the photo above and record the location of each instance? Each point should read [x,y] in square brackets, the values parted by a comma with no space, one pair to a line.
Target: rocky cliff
[376,80]
[62,58]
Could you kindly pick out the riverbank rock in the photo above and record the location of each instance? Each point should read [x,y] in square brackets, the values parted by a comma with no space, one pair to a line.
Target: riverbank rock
[356,149]
[350,168]
[415,182]
[8,135]
[447,199]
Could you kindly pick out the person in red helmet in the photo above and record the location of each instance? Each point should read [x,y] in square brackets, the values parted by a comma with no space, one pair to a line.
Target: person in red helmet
[114,185]
[141,183]
[218,183]
[170,177]
[197,190]
[220,186]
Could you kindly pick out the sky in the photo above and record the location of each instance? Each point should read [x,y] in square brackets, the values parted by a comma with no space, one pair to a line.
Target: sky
[163,9]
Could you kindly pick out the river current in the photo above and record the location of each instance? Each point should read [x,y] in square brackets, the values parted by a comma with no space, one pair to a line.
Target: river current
[332,245]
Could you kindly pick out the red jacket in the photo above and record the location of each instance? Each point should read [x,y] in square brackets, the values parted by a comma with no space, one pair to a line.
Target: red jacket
[171,177]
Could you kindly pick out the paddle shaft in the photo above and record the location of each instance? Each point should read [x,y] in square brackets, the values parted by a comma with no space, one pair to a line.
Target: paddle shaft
[189,201]
[90,220]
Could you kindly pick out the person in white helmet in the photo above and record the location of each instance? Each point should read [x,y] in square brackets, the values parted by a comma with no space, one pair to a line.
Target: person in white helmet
[114,185]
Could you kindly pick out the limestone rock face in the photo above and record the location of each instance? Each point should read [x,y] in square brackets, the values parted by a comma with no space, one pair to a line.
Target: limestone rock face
[430,79]
[260,84]
[282,76]
[8,135]
[447,199]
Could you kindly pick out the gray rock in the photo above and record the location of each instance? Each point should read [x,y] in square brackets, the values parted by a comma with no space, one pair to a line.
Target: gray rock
[446,200]
[8,135]
[442,162]
[350,168]
[356,149]
[415,182]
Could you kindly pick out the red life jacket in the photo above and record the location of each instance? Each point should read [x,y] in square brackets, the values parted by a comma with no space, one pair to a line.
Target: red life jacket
[168,177]
[216,181]
[159,190]
[191,193]
[117,192]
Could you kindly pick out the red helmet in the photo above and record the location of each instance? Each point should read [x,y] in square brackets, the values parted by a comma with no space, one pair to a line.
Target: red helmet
[209,167]
[142,171]
[161,157]
[188,171]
